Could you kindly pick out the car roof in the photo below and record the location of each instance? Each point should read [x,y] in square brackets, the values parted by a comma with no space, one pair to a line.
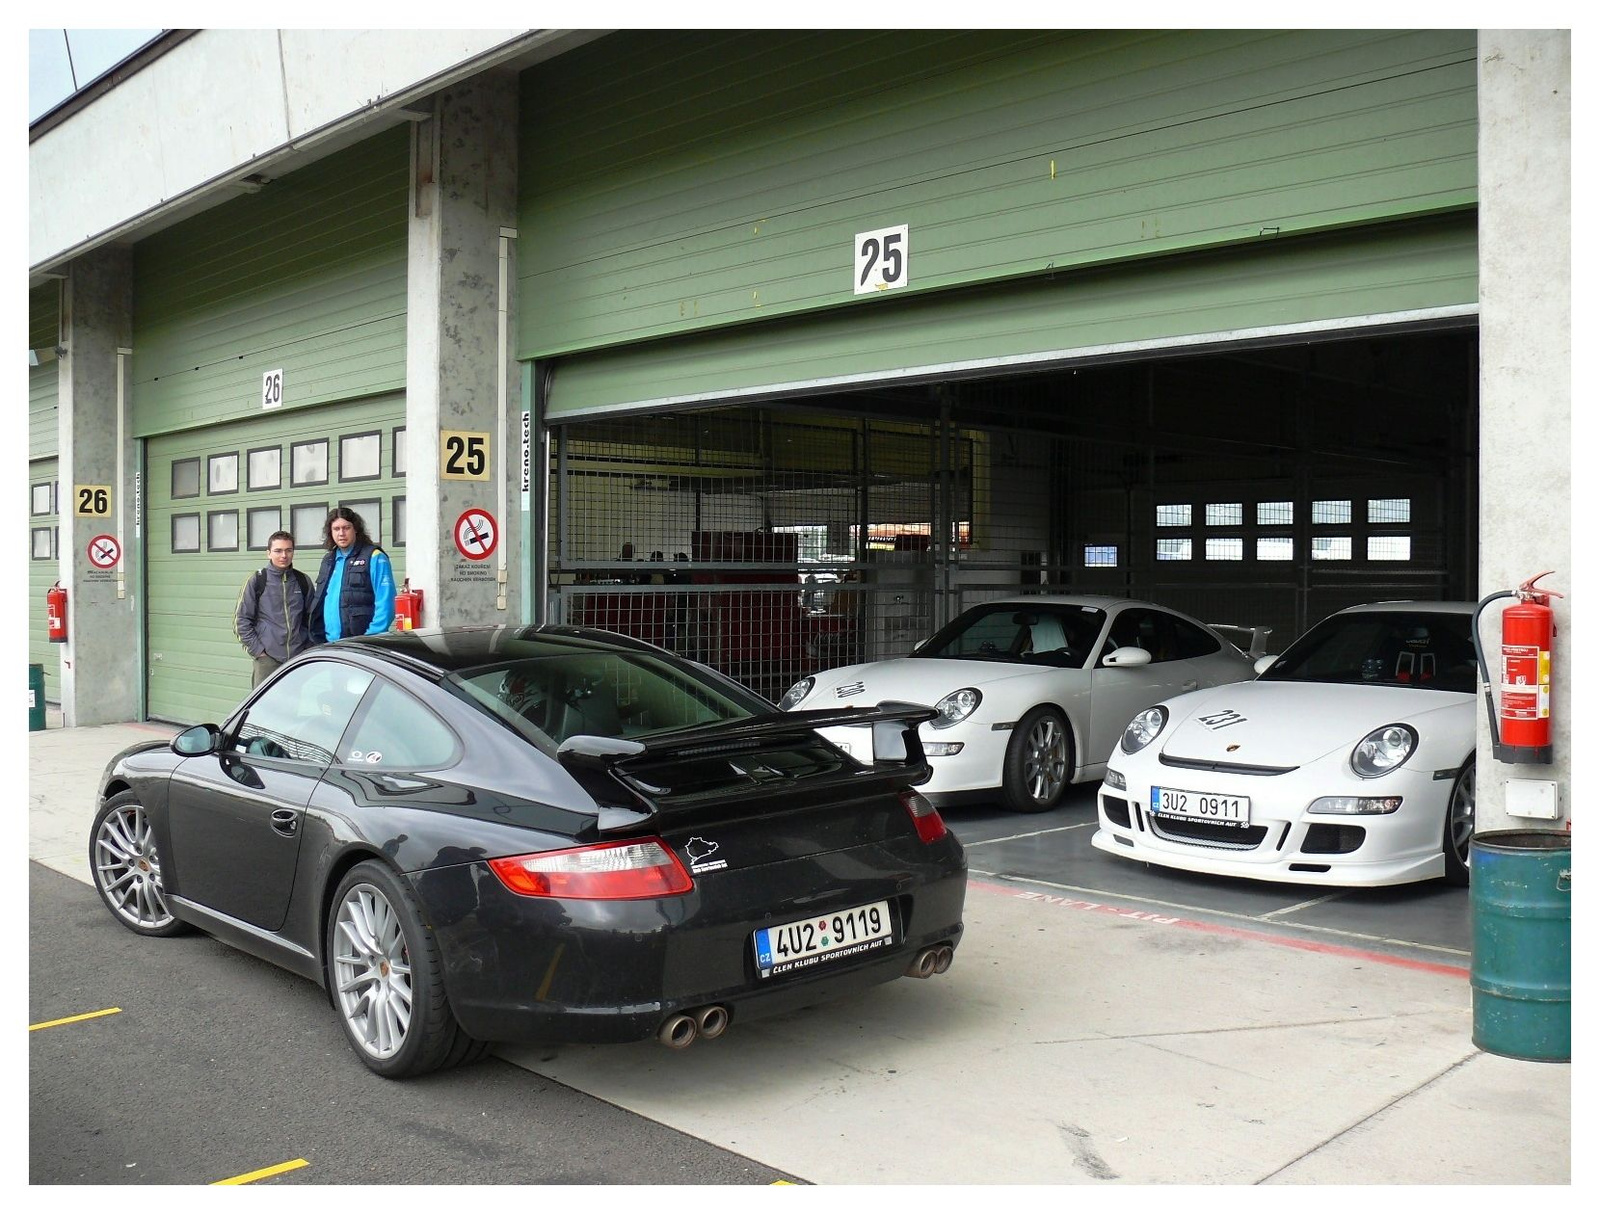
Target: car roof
[1436,606]
[447,650]
[1104,602]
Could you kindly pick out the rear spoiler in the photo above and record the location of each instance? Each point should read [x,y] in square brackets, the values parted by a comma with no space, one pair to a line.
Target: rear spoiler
[1256,647]
[643,767]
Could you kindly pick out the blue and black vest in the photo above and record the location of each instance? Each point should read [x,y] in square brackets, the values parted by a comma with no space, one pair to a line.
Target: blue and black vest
[355,592]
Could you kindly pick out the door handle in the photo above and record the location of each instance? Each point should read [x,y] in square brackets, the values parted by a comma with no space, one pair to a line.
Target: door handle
[1191,685]
[286,822]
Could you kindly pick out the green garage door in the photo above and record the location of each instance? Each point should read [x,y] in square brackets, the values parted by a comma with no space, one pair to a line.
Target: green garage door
[214,497]
[44,567]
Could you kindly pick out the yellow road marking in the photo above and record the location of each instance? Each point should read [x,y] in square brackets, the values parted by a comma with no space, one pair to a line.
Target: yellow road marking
[50,1024]
[276,1169]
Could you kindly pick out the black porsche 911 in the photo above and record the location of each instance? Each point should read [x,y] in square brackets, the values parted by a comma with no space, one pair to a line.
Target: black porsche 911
[534,835]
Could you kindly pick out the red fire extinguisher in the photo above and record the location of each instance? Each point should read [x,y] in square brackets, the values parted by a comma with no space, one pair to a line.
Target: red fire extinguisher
[407,608]
[55,612]
[1520,727]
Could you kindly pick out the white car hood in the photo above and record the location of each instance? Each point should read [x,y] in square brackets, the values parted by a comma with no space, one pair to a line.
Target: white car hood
[915,680]
[1281,724]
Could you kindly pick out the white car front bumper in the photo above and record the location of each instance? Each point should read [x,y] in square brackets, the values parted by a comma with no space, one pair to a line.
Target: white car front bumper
[1283,841]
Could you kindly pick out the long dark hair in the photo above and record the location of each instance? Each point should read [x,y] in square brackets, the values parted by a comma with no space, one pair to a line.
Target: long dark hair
[350,516]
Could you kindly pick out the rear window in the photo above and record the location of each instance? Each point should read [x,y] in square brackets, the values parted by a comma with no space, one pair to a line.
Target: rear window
[615,695]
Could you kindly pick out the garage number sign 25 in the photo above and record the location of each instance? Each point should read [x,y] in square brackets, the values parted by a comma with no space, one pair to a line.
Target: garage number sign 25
[463,456]
[882,259]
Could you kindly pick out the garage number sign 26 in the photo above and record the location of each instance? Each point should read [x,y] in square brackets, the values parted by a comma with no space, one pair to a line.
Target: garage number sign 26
[882,259]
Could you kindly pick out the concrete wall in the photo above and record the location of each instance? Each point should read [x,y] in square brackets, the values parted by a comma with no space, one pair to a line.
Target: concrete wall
[154,144]
[1525,292]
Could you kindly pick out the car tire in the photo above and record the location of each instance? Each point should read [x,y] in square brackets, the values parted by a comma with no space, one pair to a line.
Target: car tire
[387,979]
[1038,764]
[1459,818]
[126,867]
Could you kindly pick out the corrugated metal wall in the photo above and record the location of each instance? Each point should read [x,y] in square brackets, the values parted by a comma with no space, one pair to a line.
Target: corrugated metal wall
[307,276]
[197,669]
[44,332]
[44,567]
[676,181]
[1298,283]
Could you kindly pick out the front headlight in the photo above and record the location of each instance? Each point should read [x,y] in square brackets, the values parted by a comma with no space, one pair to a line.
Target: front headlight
[797,693]
[1142,730]
[1383,750]
[957,706]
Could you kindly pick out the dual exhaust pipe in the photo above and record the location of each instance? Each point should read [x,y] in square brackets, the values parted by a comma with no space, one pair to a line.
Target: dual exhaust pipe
[681,1031]
[932,960]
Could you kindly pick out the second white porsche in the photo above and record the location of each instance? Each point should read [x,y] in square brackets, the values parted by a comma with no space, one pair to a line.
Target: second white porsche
[1032,692]
[1349,761]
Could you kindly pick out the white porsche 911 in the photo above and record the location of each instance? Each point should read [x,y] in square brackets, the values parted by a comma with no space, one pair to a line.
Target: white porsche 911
[1032,693]
[1348,761]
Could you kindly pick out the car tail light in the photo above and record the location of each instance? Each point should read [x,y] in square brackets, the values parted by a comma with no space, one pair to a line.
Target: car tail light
[930,826]
[642,868]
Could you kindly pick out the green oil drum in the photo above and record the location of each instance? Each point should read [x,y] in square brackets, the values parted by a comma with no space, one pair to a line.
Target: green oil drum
[35,696]
[1521,899]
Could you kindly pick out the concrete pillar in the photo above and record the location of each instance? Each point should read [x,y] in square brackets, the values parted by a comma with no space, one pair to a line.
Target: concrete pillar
[1525,419]
[100,674]
[463,389]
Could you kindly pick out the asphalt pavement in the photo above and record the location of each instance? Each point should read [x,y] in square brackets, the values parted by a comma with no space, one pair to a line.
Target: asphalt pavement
[1077,1040]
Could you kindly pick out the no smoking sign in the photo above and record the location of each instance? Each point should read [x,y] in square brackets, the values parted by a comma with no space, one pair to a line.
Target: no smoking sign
[476,534]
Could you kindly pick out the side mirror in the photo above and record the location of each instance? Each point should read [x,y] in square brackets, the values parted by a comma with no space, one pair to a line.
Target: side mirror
[1264,664]
[197,740]
[1128,655]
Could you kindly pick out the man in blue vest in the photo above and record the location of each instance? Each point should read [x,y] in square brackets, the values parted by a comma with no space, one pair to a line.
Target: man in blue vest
[355,586]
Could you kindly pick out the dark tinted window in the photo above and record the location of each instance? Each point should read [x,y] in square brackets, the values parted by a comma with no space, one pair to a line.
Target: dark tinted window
[393,730]
[624,694]
[1396,648]
[1192,642]
[303,714]
[1142,628]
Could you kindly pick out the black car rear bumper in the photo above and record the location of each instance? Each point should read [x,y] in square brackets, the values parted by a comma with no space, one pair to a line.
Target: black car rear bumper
[545,971]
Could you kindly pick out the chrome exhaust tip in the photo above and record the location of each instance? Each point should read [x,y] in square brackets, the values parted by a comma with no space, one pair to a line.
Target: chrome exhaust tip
[942,957]
[678,1032]
[712,1021]
[922,964]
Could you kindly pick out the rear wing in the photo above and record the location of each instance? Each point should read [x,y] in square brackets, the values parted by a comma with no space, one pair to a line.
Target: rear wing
[690,772]
[1251,638]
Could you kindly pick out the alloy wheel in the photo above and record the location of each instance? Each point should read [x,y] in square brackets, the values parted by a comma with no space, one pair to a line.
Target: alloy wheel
[372,971]
[1463,814]
[1044,765]
[127,869]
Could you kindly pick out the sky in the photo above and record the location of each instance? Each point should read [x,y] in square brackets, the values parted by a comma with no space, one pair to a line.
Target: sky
[62,61]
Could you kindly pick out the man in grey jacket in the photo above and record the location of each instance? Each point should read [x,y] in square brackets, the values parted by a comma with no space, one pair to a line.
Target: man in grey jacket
[271,616]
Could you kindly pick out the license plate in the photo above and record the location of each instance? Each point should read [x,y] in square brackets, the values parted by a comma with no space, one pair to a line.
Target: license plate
[1199,806]
[854,740]
[832,937]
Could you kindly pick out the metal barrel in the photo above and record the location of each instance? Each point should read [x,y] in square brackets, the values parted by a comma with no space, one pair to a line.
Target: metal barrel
[1521,901]
[35,696]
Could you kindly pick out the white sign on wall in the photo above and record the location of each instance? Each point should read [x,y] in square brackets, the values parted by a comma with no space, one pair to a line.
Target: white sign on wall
[882,259]
[272,389]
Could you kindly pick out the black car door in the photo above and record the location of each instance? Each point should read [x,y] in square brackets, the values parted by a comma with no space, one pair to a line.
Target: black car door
[234,817]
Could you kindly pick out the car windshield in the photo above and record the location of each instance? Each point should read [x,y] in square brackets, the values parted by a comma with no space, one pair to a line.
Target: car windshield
[1004,632]
[621,694]
[1431,650]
